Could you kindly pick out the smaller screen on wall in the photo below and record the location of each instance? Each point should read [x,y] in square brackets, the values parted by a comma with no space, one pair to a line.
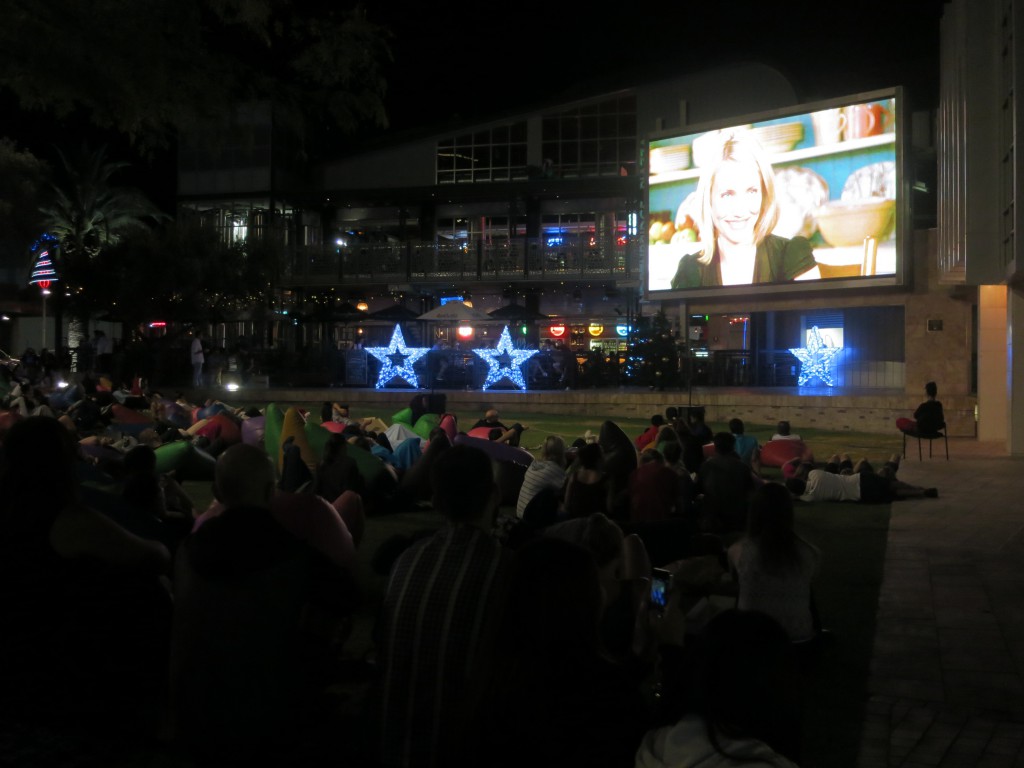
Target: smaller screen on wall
[810,196]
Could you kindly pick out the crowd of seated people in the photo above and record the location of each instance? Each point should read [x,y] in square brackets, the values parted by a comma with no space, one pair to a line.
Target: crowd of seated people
[541,643]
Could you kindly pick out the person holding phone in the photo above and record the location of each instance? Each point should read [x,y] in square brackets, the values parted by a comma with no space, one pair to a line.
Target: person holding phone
[737,212]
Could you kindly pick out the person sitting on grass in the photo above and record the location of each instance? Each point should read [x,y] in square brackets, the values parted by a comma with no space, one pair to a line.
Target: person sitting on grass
[498,431]
[784,432]
[746,445]
[774,567]
[842,480]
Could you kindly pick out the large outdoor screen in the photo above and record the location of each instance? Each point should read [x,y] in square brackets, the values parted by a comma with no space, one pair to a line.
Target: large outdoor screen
[779,202]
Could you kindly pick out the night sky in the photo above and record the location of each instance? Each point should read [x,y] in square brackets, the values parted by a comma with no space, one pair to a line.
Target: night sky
[463,61]
[472,62]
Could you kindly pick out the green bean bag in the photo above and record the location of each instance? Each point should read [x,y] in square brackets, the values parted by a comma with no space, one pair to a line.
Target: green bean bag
[404,416]
[317,436]
[185,460]
[272,423]
[425,423]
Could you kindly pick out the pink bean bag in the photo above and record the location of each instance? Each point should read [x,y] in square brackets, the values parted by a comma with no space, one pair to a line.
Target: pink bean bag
[449,425]
[482,433]
[333,426]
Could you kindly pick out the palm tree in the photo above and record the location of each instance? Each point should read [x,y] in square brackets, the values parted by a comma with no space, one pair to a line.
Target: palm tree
[87,213]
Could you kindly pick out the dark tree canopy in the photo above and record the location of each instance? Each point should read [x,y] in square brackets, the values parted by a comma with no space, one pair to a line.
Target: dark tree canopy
[148,68]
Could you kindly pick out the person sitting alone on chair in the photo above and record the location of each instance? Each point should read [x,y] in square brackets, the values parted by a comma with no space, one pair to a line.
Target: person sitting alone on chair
[929,416]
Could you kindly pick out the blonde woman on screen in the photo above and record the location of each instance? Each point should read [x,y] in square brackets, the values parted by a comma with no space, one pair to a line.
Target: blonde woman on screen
[736,215]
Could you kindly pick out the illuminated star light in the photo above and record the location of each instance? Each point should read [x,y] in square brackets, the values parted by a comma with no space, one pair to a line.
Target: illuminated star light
[397,360]
[504,361]
[816,358]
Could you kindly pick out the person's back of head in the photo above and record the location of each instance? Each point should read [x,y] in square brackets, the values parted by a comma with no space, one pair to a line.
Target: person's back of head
[931,389]
[463,484]
[673,452]
[590,456]
[671,414]
[736,426]
[38,460]
[783,428]
[770,523]
[725,443]
[554,449]
[744,681]
[244,476]
[657,420]
[796,486]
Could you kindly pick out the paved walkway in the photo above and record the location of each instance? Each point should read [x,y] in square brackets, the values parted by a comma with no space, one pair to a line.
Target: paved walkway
[947,677]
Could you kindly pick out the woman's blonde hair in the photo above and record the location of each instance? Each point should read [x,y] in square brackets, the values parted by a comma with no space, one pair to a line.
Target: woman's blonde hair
[737,147]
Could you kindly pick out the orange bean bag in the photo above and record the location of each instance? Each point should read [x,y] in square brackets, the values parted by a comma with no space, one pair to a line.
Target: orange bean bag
[775,453]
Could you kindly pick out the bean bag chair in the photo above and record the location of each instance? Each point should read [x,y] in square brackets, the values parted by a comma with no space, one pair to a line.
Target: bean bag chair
[620,459]
[333,426]
[775,453]
[408,453]
[252,430]
[315,520]
[397,434]
[230,430]
[450,425]
[211,410]
[185,460]
[177,415]
[273,420]
[379,478]
[497,451]
[709,450]
[294,426]
[481,433]
[508,476]
[620,455]
[404,416]
[122,414]
[425,423]
[317,438]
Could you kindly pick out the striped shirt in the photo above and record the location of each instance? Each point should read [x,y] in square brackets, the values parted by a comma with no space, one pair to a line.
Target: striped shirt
[439,612]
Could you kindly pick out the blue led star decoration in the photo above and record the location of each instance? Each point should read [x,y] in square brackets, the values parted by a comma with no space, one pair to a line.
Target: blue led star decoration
[397,360]
[505,361]
[816,358]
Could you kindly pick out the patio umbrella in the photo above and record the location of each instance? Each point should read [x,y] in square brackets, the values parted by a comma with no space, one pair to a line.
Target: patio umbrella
[345,312]
[455,312]
[516,313]
[396,313]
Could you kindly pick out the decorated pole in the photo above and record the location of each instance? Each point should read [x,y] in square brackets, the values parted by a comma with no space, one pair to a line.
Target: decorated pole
[43,275]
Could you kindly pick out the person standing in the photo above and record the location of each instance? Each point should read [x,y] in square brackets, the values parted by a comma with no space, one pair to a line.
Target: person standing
[198,359]
[104,351]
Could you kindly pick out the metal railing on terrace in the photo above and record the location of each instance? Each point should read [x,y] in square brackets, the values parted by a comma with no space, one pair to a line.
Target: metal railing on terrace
[403,262]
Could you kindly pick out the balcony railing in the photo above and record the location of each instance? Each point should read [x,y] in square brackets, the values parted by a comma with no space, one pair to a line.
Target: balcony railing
[521,260]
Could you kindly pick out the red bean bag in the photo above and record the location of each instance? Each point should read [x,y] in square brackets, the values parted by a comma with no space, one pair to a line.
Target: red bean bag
[481,433]
[333,426]
[230,431]
[775,453]
[709,450]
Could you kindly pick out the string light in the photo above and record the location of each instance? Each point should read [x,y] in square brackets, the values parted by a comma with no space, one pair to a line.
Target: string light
[816,358]
[504,361]
[397,360]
